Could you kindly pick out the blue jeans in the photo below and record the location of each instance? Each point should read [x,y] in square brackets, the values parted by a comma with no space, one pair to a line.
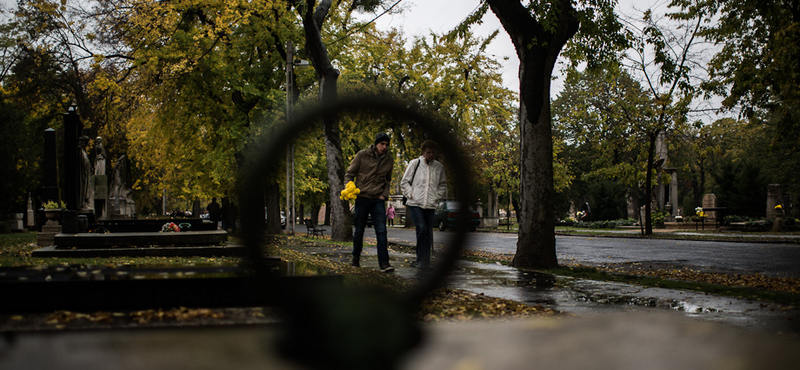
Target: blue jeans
[377,208]
[423,220]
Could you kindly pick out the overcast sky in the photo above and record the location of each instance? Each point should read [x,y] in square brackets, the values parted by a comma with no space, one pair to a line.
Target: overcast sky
[420,17]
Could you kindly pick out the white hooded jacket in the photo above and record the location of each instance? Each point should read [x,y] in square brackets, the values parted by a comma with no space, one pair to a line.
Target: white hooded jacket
[429,185]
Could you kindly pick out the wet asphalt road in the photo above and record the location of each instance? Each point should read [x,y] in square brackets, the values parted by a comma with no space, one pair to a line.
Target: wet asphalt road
[588,297]
[770,259]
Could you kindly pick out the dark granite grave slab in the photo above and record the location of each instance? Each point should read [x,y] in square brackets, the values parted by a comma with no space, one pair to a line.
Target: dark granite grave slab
[98,288]
[140,239]
[153,225]
[233,250]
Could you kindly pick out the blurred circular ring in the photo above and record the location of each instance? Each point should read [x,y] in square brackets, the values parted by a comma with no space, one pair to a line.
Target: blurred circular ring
[275,149]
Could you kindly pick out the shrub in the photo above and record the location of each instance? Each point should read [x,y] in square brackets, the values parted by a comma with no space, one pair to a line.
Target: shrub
[611,224]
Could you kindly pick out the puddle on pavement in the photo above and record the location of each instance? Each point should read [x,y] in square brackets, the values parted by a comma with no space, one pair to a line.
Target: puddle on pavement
[587,297]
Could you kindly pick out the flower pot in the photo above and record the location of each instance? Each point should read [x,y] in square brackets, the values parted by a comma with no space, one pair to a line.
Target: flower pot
[52,214]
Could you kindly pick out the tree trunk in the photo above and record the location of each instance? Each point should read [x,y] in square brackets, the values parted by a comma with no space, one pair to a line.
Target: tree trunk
[327,77]
[315,214]
[273,204]
[537,50]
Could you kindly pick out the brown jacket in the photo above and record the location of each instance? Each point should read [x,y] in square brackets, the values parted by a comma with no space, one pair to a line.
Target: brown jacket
[373,175]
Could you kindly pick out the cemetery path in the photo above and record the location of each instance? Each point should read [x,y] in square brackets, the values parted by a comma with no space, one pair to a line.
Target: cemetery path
[577,296]
[769,259]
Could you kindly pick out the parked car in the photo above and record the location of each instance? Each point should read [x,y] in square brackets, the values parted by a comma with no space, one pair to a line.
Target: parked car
[353,219]
[446,215]
[283,218]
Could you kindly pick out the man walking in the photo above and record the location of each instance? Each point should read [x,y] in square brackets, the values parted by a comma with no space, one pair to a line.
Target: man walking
[213,211]
[372,171]
[423,184]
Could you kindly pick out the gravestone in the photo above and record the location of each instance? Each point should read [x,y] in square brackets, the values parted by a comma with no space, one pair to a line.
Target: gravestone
[73,129]
[31,215]
[16,222]
[100,195]
[99,157]
[85,185]
[50,166]
[120,193]
[710,201]
[100,180]
[773,199]
[47,236]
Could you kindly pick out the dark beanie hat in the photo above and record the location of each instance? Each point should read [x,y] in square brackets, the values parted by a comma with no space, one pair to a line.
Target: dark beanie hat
[382,137]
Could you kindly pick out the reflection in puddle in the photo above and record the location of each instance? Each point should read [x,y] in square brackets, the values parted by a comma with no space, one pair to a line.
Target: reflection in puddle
[586,297]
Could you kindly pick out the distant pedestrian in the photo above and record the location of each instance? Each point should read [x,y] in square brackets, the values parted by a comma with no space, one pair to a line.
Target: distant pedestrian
[213,211]
[223,213]
[233,214]
[423,184]
[371,170]
[586,212]
[390,213]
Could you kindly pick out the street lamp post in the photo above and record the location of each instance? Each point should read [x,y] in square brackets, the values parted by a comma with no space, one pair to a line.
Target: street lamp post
[290,148]
[290,181]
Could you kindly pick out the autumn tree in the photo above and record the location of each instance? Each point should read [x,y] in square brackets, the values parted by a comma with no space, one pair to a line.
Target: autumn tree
[730,158]
[456,78]
[45,67]
[314,15]
[755,69]
[213,73]
[667,58]
[605,118]
[539,31]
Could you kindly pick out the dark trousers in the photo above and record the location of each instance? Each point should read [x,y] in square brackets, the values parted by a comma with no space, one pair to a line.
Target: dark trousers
[423,221]
[377,208]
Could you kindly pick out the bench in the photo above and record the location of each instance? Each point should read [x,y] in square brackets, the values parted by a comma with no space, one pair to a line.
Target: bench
[717,219]
[313,230]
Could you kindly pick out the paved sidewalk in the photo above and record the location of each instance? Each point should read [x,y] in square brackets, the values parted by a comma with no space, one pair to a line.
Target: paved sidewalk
[613,342]
[593,339]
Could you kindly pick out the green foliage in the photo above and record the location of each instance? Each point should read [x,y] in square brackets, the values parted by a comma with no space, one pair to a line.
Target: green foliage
[454,78]
[213,89]
[606,224]
[659,216]
[607,200]
[51,204]
[604,119]
[755,69]
[741,188]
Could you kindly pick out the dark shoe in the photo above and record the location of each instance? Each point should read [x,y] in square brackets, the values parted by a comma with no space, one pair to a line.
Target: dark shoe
[414,264]
[386,267]
[356,262]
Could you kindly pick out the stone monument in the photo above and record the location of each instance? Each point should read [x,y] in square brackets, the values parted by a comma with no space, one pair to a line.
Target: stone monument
[119,194]
[773,199]
[99,157]
[31,215]
[710,201]
[85,185]
[100,180]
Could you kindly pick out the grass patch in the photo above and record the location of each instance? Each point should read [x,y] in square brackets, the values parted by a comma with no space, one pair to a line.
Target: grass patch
[591,273]
[15,251]
[696,235]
